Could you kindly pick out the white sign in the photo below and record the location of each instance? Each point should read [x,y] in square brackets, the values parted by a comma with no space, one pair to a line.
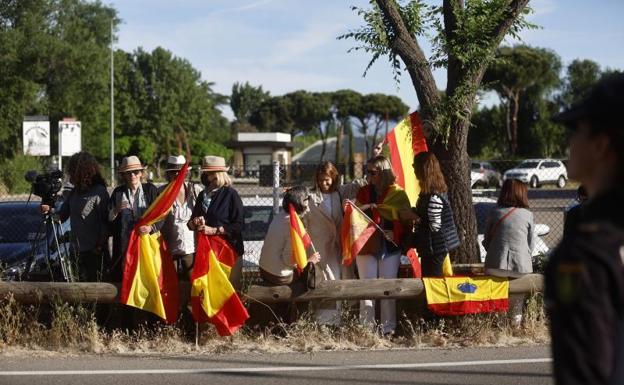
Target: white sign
[69,137]
[36,137]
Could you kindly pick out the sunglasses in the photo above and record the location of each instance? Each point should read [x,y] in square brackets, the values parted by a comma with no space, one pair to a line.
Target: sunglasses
[135,172]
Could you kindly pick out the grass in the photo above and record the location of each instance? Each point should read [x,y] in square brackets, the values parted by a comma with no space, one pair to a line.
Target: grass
[73,329]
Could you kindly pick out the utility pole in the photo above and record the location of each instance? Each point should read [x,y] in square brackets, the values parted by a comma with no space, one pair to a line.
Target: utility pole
[112,105]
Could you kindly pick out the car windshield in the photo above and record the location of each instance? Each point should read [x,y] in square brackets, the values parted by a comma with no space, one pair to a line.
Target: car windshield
[28,218]
[475,166]
[528,165]
[257,220]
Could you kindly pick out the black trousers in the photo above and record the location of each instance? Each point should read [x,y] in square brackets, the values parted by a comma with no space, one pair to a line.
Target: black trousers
[432,264]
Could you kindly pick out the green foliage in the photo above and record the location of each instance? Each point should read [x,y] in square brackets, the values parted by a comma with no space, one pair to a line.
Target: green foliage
[246,99]
[200,148]
[486,139]
[581,75]
[301,142]
[376,36]
[55,61]
[12,173]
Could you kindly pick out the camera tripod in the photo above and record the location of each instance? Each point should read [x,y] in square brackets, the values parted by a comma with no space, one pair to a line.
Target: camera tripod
[50,231]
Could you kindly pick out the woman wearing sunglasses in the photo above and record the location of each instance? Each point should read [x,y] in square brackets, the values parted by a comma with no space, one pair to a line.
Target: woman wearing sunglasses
[127,204]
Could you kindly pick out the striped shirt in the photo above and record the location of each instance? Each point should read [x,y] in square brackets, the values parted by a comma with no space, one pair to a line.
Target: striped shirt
[434,213]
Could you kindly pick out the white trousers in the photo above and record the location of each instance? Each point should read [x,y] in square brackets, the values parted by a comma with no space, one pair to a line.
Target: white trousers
[370,266]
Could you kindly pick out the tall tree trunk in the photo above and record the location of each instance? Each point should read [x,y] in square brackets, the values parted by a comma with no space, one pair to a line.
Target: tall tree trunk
[514,123]
[455,166]
[339,156]
[323,142]
[351,150]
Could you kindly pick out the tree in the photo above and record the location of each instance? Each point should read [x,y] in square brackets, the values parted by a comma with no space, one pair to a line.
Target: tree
[515,71]
[244,101]
[163,98]
[466,37]
[381,109]
[581,75]
[347,104]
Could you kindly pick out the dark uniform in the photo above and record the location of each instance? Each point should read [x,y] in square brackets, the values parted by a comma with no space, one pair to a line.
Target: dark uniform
[585,295]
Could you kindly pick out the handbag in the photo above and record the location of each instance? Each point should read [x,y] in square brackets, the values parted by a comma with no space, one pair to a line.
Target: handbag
[494,229]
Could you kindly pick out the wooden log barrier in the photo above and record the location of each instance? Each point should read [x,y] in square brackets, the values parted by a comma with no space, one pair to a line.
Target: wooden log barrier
[406,288]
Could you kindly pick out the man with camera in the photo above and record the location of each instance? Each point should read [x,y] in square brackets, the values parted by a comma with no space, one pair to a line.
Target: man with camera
[87,208]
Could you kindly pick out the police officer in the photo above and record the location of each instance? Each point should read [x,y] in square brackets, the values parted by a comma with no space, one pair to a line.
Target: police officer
[585,276]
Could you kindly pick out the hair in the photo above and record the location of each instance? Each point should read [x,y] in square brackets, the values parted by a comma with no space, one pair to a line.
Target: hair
[222,178]
[327,168]
[514,193]
[295,196]
[383,165]
[84,171]
[429,173]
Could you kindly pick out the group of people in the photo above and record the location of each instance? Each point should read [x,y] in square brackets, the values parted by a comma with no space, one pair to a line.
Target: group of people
[388,206]
[213,209]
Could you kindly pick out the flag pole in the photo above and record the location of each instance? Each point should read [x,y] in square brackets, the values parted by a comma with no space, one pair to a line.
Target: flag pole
[371,221]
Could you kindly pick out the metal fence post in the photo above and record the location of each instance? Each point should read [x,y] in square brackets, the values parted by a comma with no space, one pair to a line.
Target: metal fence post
[276,185]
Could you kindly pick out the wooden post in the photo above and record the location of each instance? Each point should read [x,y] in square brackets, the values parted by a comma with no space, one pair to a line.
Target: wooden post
[46,292]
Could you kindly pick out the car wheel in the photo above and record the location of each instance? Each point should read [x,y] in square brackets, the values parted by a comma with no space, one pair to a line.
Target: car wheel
[534,182]
[561,182]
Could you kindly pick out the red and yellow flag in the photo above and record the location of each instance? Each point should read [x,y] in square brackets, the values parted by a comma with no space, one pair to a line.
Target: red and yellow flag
[213,298]
[299,239]
[405,141]
[466,295]
[149,279]
[355,231]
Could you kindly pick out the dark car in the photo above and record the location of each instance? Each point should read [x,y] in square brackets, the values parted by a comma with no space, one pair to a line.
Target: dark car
[23,235]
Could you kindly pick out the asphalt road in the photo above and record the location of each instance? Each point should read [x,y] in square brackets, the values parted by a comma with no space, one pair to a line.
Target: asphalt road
[465,366]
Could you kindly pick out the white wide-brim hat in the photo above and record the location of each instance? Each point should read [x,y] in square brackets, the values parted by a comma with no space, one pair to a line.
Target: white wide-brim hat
[175,163]
[213,163]
[130,163]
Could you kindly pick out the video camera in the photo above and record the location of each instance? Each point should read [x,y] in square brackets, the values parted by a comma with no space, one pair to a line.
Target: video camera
[45,185]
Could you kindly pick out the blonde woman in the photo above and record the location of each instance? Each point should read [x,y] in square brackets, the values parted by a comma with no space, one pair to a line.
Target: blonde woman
[219,210]
[382,199]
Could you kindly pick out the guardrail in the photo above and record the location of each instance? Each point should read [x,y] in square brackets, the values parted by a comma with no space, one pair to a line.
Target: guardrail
[403,288]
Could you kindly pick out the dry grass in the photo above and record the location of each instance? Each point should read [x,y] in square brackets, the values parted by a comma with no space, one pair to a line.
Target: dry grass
[73,329]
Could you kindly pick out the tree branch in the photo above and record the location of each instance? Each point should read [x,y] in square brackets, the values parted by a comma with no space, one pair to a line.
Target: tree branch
[498,34]
[450,9]
[413,56]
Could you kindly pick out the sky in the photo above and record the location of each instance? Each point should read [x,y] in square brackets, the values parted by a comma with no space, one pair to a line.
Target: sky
[288,45]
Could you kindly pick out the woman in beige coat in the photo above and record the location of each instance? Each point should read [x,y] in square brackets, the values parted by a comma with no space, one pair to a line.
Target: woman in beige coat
[323,224]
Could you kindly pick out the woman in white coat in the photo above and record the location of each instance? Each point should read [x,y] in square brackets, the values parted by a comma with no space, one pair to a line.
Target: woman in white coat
[323,224]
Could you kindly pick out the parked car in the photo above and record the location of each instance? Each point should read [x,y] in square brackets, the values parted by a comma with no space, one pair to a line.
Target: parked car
[23,235]
[537,172]
[483,174]
[258,215]
[483,206]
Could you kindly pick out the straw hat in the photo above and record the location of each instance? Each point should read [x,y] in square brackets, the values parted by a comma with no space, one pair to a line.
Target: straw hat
[175,163]
[213,163]
[130,163]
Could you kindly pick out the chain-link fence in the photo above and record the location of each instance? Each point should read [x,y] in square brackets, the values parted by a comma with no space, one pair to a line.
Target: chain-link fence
[261,188]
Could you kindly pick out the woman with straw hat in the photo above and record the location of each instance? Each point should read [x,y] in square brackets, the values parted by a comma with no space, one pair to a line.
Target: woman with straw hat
[127,204]
[219,210]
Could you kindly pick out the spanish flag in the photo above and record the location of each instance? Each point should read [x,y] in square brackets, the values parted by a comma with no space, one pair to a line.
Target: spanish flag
[405,141]
[466,295]
[213,298]
[355,231]
[299,238]
[149,279]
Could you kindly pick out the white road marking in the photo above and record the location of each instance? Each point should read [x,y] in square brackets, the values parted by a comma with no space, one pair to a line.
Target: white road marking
[265,369]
